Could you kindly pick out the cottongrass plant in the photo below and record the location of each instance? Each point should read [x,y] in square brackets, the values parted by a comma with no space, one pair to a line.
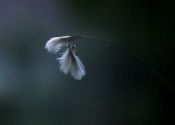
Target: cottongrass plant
[70,62]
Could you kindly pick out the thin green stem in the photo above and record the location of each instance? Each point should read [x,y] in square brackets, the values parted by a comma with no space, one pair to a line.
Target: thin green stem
[116,44]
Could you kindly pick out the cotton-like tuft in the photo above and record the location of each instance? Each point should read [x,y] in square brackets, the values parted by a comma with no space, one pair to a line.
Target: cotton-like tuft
[55,44]
[69,62]
[65,62]
[78,70]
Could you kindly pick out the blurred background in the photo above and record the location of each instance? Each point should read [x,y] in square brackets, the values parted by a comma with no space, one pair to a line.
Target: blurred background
[117,90]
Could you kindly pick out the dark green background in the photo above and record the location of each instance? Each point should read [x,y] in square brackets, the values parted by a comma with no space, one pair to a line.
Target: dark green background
[117,90]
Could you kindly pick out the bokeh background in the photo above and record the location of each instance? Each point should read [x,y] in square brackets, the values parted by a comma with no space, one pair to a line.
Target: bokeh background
[117,90]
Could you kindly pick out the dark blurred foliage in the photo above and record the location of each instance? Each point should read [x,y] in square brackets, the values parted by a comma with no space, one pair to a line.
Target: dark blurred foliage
[117,90]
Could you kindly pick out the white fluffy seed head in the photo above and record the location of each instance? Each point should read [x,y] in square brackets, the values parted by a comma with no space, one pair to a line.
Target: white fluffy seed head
[55,44]
[69,62]
[65,62]
[78,69]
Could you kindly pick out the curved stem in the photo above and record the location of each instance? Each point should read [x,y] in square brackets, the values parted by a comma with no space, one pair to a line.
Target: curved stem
[132,54]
